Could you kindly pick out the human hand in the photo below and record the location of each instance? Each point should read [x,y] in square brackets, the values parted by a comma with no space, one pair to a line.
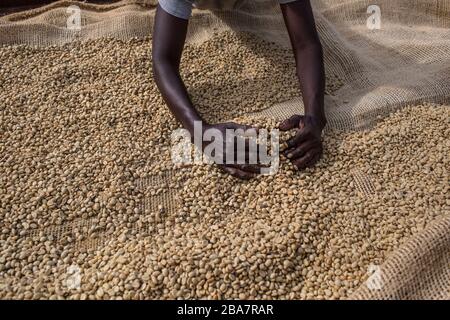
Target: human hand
[242,161]
[305,148]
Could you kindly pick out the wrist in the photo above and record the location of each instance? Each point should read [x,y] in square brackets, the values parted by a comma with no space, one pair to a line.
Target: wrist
[318,120]
[196,129]
[195,126]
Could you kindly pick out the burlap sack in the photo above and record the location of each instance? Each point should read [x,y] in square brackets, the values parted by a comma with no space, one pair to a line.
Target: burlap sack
[420,269]
[406,61]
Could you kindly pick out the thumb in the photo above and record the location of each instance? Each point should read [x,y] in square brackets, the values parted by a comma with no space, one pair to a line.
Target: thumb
[302,123]
[290,123]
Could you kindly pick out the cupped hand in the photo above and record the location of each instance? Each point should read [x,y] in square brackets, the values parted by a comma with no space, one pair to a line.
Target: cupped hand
[244,171]
[305,148]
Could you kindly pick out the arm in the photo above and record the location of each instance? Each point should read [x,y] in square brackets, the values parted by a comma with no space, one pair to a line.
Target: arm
[169,35]
[306,147]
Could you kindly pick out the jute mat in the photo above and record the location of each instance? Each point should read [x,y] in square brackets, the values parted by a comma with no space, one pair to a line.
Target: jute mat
[405,62]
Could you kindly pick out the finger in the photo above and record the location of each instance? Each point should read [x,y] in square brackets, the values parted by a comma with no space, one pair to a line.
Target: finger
[302,162]
[238,173]
[301,123]
[301,136]
[251,168]
[313,161]
[290,123]
[301,150]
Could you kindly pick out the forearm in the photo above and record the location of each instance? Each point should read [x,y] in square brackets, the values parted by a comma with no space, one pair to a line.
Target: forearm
[174,93]
[169,35]
[311,75]
[308,53]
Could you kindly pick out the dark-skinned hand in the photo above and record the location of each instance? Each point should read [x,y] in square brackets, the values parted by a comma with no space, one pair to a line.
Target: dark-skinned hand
[242,171]
[305,148]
